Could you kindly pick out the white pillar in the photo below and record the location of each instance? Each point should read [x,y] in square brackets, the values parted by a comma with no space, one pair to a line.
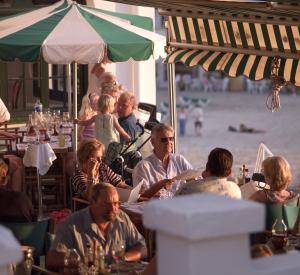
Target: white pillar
[208,234]
[138,77]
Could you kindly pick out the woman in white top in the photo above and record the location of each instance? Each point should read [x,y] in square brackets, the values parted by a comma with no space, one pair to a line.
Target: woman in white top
[106,125]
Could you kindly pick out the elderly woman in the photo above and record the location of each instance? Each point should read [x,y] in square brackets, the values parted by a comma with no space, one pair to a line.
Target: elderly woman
[278,176]
[92,169]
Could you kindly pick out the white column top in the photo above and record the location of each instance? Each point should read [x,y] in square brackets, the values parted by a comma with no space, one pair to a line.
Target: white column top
[203,216]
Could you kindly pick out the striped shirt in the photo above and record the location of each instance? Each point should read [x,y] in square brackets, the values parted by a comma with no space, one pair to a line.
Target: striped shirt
[79,180]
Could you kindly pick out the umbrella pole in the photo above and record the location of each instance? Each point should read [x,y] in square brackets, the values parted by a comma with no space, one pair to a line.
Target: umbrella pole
[69,89]
[40,199]
[172,100]
[75,107]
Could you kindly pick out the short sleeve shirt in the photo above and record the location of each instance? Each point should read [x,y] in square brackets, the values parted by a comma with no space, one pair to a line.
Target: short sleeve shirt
[129,125]
[79,229]
[150,170]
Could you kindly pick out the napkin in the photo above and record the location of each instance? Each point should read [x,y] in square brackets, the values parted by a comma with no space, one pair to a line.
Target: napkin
[40,156]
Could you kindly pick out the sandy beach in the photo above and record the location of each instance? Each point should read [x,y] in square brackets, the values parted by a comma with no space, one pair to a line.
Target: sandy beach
[233,108]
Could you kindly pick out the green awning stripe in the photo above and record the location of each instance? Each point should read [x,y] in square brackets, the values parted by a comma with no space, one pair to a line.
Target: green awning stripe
[266,37]
[231,34]
[197,31]
[278,38]
[268,68]
[214,64]
[290,37]
[281,67]
[241,67]
[254,36]
[236,65]
[242,35]
[219,33]
[186,30]
[293,71]
[191,57]
[176,29]
[208,32]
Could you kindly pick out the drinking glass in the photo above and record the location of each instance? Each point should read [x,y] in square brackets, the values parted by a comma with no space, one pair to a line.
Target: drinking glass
[118,252]
[72,258]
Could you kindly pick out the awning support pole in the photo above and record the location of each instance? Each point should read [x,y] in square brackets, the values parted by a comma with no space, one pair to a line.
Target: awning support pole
[75,107]
[172,100]
[69,89]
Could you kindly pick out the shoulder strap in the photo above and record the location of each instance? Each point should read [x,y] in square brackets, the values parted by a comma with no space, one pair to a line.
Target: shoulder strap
[298,201]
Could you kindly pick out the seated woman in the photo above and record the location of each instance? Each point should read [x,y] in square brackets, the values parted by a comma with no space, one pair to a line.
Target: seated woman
[278,176]
[92,169]
[14,206]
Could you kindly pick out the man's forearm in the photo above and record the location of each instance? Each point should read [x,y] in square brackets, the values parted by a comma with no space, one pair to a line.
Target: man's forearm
[150,192]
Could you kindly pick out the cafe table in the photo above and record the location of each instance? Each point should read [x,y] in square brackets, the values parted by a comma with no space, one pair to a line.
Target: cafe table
[135,213]
[54,178]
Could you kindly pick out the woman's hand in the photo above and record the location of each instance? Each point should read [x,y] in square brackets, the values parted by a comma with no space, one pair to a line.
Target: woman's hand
[93,168]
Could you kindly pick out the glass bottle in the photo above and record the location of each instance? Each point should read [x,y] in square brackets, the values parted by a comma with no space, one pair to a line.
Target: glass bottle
[279,234]
[30,126]
[89,256]
[28,261]
[61,137]
[38,106]
[100,259]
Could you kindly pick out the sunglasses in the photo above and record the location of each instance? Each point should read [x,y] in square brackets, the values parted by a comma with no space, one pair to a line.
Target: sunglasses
[166,139]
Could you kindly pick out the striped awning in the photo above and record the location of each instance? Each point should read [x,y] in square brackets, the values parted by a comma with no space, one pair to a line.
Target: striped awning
[252,66]
[236,47]
[273,39]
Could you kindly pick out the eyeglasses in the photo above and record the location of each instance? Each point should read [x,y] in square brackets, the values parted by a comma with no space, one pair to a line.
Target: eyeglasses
[166,139]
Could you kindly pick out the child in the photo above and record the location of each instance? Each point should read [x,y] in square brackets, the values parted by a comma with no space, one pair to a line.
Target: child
[88,109]
[106,124]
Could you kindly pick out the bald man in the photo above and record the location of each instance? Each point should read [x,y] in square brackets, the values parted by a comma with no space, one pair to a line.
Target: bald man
[102,223]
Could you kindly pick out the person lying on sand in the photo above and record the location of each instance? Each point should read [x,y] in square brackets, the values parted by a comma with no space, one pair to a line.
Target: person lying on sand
[244,129]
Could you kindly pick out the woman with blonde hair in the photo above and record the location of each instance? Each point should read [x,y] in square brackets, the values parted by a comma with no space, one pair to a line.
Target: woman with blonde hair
[107,126]
[91,169]
[88,110]
[278,176]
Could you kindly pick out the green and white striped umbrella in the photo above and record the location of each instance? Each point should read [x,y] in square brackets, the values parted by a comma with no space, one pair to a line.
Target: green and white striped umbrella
[67,32]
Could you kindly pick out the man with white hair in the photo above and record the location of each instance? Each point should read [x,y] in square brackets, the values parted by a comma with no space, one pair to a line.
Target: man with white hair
[158,170]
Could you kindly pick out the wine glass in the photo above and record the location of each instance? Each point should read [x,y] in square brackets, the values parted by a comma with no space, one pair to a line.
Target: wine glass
[118,252]
[71,259]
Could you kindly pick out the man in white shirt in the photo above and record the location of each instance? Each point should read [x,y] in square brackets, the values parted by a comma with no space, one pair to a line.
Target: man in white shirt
[4,114]
[158,170]
[218,168]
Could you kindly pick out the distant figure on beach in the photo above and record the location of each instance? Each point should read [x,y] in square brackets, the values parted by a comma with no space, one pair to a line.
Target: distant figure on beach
[244,129]
[197,114]
[182,118]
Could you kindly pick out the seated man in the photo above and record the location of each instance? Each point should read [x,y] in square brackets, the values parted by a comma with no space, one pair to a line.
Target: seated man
[218,168]
[102,223]
[157,170]
[14,206]
[127,119]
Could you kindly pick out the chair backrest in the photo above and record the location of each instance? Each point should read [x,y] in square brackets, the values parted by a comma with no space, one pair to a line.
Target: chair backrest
[32,234]
[280,211]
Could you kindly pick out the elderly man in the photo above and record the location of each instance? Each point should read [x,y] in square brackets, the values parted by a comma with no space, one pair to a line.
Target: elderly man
[102,223]
[127,119]
[157,170]
[218,168]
